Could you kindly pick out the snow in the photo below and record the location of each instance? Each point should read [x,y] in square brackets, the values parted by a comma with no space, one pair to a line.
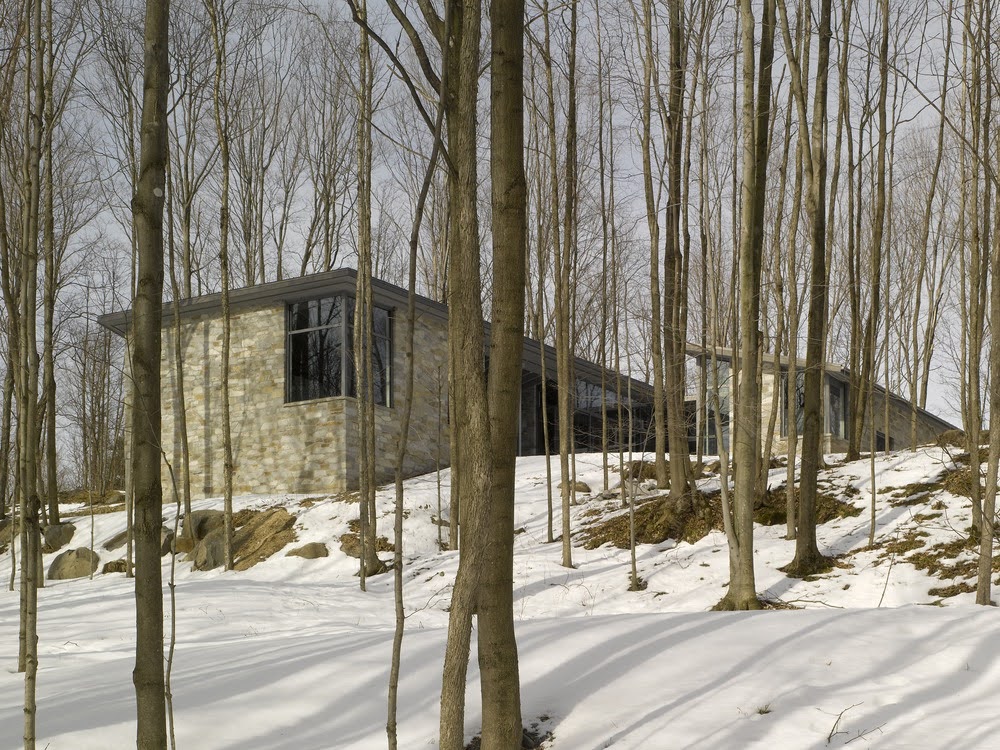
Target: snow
[291,654]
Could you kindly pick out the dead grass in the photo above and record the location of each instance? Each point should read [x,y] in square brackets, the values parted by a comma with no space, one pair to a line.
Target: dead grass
[960,481]
[954,590]
[84,497]
[656,520]
[915,493]
[97,510]
[382,544]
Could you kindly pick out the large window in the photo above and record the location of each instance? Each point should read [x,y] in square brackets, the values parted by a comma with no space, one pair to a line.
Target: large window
[717,407]
[319,353]
[799,400]
[836,421]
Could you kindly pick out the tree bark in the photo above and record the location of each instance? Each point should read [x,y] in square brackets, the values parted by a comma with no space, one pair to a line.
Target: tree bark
[147,209]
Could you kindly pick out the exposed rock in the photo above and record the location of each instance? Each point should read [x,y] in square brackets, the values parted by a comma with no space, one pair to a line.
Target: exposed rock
[257,535]
[166,540]
[74,563]
[116,541]
[310,551]
[184,544]
[57,536]
[209,553]
[5,525]
[115,566]
[264,534]
[350,543]
[579,486]
[202,523]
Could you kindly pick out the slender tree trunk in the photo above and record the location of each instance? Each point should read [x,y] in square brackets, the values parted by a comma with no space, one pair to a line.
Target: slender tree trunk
[220,29]
[147,209]
[742,592]
[498,665]
[807,556]
[28,370]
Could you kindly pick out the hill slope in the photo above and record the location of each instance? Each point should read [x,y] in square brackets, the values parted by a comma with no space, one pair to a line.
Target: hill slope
[290,654]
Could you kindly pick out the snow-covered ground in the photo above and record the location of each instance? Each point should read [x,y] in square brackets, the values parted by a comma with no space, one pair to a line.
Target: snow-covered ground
[290,654]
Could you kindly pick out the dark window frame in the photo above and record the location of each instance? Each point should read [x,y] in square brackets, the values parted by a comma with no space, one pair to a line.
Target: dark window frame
[345,324]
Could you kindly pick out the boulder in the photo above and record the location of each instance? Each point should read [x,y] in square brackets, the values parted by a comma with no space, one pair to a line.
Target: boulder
[57,536]
[74,563]
[115,566]
[184,544]
[310,551]
[202,523]
[350,545]
[166,540]
[259,534]
[579,486]
[118,540]
[263,534]
[209,552]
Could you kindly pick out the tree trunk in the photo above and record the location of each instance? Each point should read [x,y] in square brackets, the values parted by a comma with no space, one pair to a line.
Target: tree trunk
[746,435]
[147,209]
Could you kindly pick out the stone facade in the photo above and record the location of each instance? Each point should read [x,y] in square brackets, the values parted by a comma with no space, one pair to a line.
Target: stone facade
[928,427]
[301,447]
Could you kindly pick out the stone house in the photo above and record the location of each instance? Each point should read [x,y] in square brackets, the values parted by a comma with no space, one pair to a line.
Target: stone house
[836,393]
[291,387]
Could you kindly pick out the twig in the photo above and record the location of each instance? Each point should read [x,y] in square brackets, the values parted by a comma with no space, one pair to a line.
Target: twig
[833,730]
[864,735]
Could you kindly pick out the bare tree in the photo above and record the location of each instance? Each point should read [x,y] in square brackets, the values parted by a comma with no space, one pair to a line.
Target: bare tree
[807,556]
[147,206]
[742,592]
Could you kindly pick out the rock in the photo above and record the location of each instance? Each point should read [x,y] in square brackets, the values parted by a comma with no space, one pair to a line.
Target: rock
[5,524]
[350,545]
[57,536]
[579,486]
[310,551]
[208,553]
[184,544]
[203,523]
[264,534]
[74,563]
[115,566]
[116,541]
[166,540]
[259,535]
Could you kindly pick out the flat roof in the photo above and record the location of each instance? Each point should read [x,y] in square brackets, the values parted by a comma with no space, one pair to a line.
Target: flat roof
[838,372]
[343,281]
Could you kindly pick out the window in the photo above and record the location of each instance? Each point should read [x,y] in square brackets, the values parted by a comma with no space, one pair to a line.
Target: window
[799,398]
[319,357]
[381,354]
[717,395]
[837,409]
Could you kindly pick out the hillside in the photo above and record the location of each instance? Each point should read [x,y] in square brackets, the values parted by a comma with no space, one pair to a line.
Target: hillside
[290,654]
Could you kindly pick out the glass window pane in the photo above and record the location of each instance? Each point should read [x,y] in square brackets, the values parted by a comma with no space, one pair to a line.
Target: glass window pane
[314,313]
[314,364]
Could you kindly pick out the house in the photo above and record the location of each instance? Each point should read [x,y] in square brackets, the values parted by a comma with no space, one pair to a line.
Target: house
[291,388]
[836,392]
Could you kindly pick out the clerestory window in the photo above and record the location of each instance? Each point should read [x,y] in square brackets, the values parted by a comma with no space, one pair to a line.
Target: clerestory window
[319,357]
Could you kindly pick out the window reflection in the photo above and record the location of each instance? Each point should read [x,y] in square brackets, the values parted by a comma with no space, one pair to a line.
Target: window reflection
[320,350]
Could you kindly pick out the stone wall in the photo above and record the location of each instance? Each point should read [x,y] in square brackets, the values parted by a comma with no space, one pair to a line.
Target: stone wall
[430,346]
[899,421]
[303,447]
